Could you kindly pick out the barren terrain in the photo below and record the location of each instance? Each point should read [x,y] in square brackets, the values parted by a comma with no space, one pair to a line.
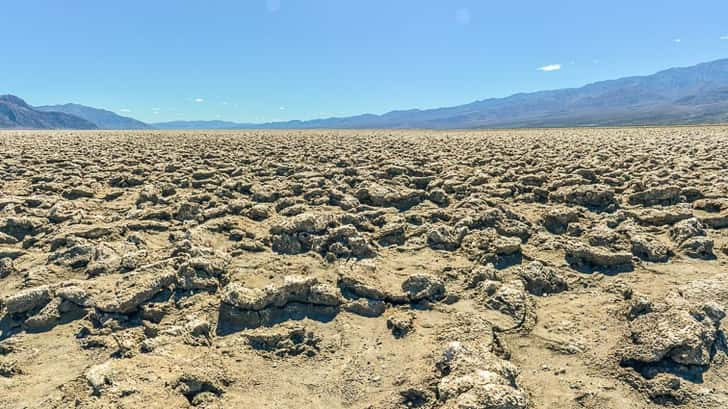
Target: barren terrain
[564,268]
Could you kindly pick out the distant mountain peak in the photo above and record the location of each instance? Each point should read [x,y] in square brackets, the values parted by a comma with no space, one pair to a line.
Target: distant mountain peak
[12,99]
[104,119]
[683,95]
[15,113]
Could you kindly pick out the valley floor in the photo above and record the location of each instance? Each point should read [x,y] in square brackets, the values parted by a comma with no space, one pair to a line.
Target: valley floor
[563,268]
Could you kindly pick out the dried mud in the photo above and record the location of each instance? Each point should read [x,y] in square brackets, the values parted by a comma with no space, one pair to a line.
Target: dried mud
[565,268]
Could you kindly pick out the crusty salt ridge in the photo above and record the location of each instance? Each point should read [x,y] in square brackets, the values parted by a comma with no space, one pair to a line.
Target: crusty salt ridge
[564,268]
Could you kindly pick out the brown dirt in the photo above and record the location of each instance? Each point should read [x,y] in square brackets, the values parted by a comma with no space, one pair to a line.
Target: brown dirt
[364,269]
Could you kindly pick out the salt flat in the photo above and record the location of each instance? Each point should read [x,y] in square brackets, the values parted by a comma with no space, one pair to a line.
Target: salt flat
[570,268]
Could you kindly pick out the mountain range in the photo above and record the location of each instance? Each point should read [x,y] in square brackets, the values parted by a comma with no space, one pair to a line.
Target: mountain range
[691,95]
[102,118]
[688,95]
[17,114]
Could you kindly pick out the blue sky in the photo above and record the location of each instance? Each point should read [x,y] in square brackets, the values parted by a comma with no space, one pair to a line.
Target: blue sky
[267,60]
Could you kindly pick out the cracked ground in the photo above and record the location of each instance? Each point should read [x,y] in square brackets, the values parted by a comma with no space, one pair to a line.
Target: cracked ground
[564,268]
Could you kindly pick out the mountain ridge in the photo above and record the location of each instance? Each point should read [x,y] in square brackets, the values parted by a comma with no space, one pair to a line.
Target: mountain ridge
[15,113]
[696,94]
[102,118]
[679,95]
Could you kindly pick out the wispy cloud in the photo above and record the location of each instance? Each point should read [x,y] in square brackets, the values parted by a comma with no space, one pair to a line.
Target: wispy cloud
[125,110]
[724,37]
[199,100]
[282,108]
[677,40]
[551,67]
[273,5]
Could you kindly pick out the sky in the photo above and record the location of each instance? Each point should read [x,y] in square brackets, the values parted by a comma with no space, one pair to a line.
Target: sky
[272,60]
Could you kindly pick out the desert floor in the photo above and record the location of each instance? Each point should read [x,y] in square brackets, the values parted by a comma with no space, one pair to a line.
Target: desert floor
[564,268]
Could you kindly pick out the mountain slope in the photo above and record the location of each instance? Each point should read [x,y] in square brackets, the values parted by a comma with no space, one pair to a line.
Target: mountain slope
[677,95]
[102,118]
[697,94]
[17,114]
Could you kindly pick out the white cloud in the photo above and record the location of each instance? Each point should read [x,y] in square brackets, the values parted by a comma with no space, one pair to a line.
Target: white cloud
[282,108]
[462,16]
[677,40]
[551,67]
[125,110]
[724,37]
[273,5]
[199,100]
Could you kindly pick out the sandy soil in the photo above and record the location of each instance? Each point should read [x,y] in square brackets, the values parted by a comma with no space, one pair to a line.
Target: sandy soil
[565,268]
